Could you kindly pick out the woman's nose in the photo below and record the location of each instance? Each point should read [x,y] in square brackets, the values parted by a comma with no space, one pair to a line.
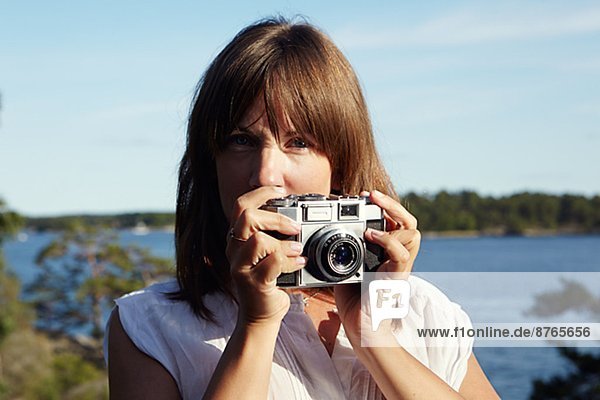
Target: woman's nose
[268,168]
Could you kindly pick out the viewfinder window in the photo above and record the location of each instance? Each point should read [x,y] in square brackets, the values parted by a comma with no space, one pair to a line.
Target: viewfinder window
[348,211]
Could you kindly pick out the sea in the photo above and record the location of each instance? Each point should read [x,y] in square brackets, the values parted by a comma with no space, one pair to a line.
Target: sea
[511,369]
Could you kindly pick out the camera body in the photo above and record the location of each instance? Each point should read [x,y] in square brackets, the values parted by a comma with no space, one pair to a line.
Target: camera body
[332,234]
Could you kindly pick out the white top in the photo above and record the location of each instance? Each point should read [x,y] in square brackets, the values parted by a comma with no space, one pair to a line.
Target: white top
[190,347]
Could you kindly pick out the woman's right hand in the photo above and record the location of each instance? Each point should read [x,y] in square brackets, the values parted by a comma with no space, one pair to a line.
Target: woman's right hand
[256,259]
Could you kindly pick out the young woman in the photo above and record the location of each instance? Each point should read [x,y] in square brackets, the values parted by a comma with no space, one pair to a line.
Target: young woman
[278,112]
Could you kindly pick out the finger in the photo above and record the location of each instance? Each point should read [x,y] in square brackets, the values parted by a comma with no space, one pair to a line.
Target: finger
[253,220]
[390,224]
[260,246]
[265,258]
[255,199]
[397,244]
[394,249]
[268,270]
[409,238]
[249,253]
[291,248]
[394,209]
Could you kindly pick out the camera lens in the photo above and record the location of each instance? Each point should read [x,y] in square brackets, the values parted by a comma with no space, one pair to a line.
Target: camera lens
[334,254]
[342,257]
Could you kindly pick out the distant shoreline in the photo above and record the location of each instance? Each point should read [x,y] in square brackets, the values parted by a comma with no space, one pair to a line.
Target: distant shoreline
[450,234]
[484,234]
[444,214]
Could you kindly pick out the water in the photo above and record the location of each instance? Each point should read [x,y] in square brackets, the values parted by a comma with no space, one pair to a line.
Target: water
[20,255]
[510,369]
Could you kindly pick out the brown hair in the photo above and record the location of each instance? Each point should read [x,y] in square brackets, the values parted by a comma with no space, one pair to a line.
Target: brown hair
[295,68]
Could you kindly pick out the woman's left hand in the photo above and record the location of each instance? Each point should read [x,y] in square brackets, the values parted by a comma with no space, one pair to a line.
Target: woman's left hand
[401,243]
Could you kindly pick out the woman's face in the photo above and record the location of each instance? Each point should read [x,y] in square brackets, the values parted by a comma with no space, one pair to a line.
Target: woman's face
[252,158]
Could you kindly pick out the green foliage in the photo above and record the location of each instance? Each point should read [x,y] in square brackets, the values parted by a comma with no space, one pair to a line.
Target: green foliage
[10,222]
[26,365]
[119,221]
[81,272]
[33,369]
[460,211]
[70,371]
[582,383]
[30,367]
[13,313]
[516,214]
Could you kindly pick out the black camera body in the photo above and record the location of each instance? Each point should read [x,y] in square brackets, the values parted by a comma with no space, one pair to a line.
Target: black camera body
[333,238]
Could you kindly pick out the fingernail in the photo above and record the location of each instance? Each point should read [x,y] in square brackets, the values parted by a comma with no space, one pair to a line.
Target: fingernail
[297,226]
[377,192]
[376,233]
[300,260]
[279,189]
[296,246]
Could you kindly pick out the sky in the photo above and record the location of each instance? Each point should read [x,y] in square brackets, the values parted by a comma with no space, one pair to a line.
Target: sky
[495,97]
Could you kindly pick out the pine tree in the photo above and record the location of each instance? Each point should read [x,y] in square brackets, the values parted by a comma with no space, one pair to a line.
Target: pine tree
[81,272]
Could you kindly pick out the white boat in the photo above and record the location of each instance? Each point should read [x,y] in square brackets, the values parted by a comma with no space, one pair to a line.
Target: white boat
[140,229]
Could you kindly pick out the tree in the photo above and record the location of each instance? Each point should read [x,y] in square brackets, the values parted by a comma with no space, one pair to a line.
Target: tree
[12,311]
[81,272]
[14,315]
[583,382]
[575,210]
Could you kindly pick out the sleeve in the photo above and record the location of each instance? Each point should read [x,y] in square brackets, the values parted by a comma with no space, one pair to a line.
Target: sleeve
[444,352]
[453,353]
[141,314]
[168,331]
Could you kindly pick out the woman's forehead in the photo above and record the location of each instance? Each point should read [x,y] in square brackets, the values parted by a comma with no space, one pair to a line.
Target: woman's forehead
[256,118]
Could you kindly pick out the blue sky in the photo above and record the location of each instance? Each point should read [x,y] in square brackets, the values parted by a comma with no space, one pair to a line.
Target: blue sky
[496,97]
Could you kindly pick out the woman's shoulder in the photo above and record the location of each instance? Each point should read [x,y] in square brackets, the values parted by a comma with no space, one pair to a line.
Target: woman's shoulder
[157,307]
[165,293]
[167,330]
[160,293]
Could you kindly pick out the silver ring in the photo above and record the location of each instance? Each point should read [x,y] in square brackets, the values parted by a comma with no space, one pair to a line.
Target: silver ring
[232,236]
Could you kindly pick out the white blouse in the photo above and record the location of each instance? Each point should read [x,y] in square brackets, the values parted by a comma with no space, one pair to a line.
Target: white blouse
[190,347]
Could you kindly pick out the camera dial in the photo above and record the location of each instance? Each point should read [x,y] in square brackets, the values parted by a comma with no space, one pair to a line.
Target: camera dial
[312,197]
[288,201]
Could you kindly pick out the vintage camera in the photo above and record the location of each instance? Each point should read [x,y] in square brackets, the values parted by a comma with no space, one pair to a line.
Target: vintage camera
[332,235]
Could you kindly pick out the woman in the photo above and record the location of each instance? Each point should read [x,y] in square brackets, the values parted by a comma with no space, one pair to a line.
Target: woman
[279,111]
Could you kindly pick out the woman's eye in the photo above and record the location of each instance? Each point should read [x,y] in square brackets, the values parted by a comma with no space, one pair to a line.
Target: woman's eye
[239,140]
[298,142]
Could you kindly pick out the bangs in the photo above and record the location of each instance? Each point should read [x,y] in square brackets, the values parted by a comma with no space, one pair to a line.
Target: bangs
[299,74]
[315,87]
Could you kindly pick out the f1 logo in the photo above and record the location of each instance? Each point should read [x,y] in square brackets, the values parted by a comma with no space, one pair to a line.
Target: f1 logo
[389,299]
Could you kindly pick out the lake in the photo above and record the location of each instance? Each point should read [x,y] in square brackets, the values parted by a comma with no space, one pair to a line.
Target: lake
[511,369]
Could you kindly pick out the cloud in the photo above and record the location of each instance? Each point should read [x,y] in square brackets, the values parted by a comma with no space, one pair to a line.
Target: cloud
[468,27]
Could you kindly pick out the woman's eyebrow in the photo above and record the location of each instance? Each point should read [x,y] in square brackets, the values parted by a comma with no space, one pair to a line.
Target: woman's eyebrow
[247,130]
[307,137]
[292,133]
